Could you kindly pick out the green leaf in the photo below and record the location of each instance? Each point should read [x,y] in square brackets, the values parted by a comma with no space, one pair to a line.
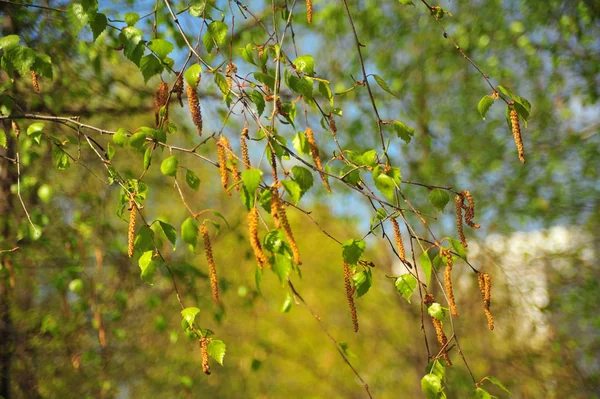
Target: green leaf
[189,231]
[274,241]
[300,143]
[148,266]
[484,105]
[384,183]
[265,78]
[458,248]
[148,156]
[437,311]
[161,47]
[217,32]
[281,266]
[120,137]
[221,83]
[150,66]
[506,91]
[78,17]
[169,166]
[384,85]
[435,367]
[251,179]
[431,385]
[137,140]
[482,394]
[496,382]
[305,64]
[352,250]
[439,198]
[216,349]
[407,2]
[43,65]
[110,152]
[425,263]
[169,231]
[403,131]
[287,304]
[192,74]
[192,180]
[2,139]
[259,101]
[405,285]
[131,38]
[293,189]
[363,282]
[9,42]
[98,25]
[325,90]
[61,159]
[131,18]
[21,58]
[144,239]
[303,177]
[189,315]
[247,54]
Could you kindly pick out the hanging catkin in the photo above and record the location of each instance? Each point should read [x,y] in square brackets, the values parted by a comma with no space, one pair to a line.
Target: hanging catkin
[34,82]
[254,240]
[439,330]
[131,229]
[160,100]
[204,353]
[399,242]
[194,104]
[221,148]
[485,286]
[244,147]
[314,151]
[516,131]
[458,205]
[178,87]
[212,270]
[350,294]
[448,281]
[309,11]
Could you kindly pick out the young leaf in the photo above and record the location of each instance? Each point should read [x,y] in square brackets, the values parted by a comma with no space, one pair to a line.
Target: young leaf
[352,250]
[281,266]
[2,139]
[293,189]
[216,349]
[437,311]
[189,231]
[405,285]
[192,180]
[384,85]
[189,314]
[169,231]
[425,263]
[150,66]
[384,183]
[9,42]
[287,304]
[137,140]
[21,58]
[301,143]
[98,25]
[439,198]
[192,74]
[496,382]
[458,248]
[484,105]
[148,266]
[303,177]
[431,385]
[273,241]
[251,179]
[403,131]
[481,393]
[169,166]
[305,64]
[120,137]
[363,282]
[161,47]
[131,18]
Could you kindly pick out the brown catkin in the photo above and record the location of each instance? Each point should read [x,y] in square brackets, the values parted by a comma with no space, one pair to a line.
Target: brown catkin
[160,100]
[233,161]
[516,131]
[274,167]
[275,207]
[131,230]
[439,330]
[287,230]
[178,87]
[194,104]
[230,70]
[309,11]
[221,146]
[349,294]
[314,151]
[470,210]
[399,242]
[204,352]
[485,286]
[332,124]
[212,270]
[254,240]
[458,204]
[244,147]
[15,128]
[34,82]
[448,282]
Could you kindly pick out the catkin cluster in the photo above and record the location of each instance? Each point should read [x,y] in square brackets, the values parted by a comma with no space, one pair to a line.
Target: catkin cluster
[350,294]
[221,149]
[194,104]
[34,82]
[516,131]
[261,259]
[448,281]
[439,330]
[314,151]
[204,353]
[131,229]
[212,270]
[469,211]
[160,100]
[399,242]
[485,286]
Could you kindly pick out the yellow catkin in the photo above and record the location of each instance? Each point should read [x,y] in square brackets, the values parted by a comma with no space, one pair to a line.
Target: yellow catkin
[349,294]
[204,353]
[309,11]
[233,162]
[470,210]
[485,286]
[439,330]
[195,110]
[314,151]
[516,131]
[160,100]
[15,128]
[274,168]
[254,240]
[131,229]
[244,147]
[230,70]
[34,82]
[287,230]
[221,147]
[399,242]
[448,282]
[212,270]
[458,204]
[275,207]
[178,87]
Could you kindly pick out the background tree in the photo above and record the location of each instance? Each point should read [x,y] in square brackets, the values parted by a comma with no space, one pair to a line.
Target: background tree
[382,87]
